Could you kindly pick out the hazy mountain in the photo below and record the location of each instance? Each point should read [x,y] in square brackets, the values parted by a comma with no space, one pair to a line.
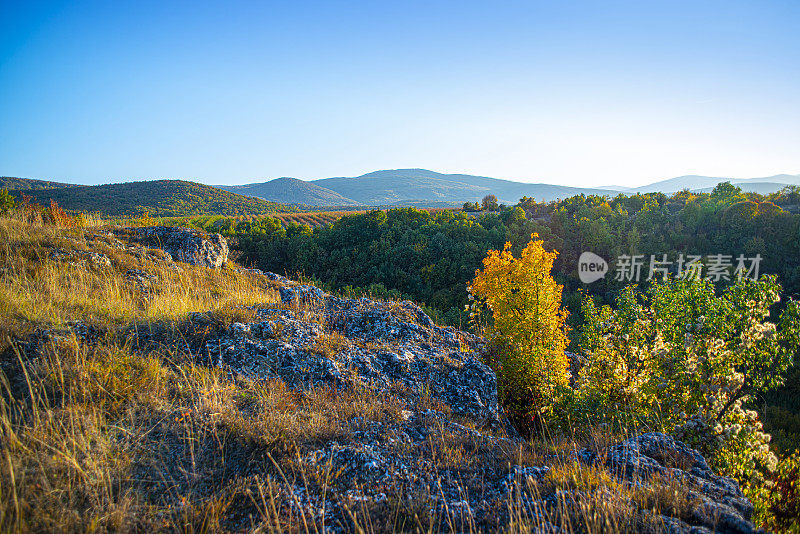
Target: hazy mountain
[292,191]
[700,183]
[159,198]
[24,184]
[405,185]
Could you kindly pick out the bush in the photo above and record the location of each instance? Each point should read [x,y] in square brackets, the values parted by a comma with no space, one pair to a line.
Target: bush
[682,359]
[6,201]
[777,502]
[528,328]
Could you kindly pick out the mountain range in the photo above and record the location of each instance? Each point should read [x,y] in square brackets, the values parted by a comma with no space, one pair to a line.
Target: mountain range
[387,188]
[424,187]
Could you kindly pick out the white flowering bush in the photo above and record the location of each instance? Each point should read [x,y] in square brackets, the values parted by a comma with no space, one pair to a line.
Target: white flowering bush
[683,359]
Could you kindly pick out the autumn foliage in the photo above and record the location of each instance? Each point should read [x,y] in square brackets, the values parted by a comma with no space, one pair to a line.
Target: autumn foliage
[528,328]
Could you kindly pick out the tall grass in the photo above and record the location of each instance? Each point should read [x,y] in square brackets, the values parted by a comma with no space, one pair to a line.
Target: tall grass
[37,290]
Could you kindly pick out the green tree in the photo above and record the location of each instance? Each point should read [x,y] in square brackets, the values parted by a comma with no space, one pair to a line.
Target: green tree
[6,201]
[489,203]
[687,360]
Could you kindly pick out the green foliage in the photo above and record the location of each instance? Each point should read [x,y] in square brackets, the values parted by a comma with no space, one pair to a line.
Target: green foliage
[489,203]
[778,501]
[684,359]
[426,256]
[7,202]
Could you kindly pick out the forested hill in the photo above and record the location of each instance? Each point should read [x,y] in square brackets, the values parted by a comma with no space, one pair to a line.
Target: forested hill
[430,257]
[165,198]
[26,184]
[292,191]
[399,186]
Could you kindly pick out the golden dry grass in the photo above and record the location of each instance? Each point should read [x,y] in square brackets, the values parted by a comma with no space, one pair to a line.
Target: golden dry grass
[39,291]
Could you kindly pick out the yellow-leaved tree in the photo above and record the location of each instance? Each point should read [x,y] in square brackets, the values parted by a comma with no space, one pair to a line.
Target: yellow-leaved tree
[528,332]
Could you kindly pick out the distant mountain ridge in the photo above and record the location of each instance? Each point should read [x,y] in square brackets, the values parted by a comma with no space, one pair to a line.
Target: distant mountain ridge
[421,187]
[292,191]
[386,188]
[701,183]
[399,185]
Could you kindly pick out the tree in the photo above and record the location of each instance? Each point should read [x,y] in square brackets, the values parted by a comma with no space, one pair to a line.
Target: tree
[489,203]
[684,359]
[528,328]
[6,201]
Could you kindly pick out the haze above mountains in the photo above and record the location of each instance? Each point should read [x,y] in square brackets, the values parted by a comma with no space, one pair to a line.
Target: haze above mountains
[399,187]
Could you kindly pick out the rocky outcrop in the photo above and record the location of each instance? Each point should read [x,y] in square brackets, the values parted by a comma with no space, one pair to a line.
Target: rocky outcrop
[184,244]
[440,440]
[713,503]
[393,349]
[346,342]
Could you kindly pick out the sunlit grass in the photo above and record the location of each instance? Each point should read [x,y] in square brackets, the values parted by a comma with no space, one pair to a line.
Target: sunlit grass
[37,290]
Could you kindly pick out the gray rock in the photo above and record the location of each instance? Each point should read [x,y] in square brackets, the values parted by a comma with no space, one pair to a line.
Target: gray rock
[85,258]
[718,503]
[184,244]
[419,356]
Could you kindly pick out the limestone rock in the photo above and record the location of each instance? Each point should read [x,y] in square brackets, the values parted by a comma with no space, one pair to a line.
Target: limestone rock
[184,244]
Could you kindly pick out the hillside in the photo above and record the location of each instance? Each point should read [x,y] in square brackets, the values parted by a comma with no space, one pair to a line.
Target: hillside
[420,186]
[292,191]
[24,184]
[165,198]
[180,397]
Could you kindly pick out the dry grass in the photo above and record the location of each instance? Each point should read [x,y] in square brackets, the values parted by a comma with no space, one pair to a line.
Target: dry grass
[330,344]
[39,291]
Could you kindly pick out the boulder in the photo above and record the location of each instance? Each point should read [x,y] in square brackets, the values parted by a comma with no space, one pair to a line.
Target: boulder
[184,244]
[379,344]
[717,504]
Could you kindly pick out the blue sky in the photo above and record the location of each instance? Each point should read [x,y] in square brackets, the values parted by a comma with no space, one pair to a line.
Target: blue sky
[578,93]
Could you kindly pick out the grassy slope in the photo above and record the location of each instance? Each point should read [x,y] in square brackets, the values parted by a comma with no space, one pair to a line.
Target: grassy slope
[159,198]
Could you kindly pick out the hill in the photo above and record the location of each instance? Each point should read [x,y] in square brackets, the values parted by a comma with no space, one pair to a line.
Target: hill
[292,191]
[165,198]
[25,184]
[392,187]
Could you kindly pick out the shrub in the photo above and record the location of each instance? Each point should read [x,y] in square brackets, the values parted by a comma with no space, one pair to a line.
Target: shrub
[685,360]
[6,201]
[779,505]
[528,330]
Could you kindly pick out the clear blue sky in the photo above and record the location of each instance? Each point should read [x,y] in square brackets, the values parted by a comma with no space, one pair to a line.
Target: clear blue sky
[589,93]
